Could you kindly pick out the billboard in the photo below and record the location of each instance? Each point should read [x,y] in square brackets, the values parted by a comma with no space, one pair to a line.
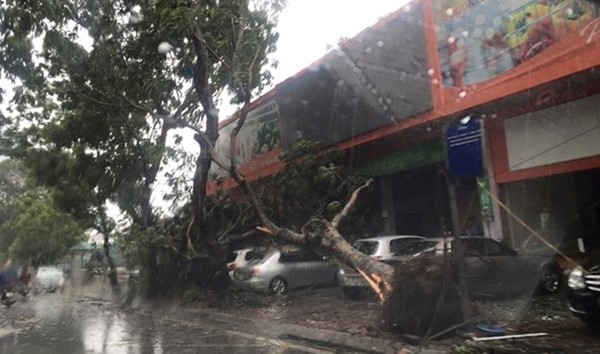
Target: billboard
[480,39]
[258,144]
[372,80]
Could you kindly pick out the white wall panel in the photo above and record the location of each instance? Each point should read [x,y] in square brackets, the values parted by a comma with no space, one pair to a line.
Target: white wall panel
[557,134]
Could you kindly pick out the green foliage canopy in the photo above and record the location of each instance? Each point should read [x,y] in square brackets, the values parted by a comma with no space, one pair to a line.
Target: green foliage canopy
[40,232]
[32,227]
[112,80]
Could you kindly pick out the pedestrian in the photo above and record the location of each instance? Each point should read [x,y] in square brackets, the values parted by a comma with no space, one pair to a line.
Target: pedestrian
[25,276]
[472,228]
[8,277]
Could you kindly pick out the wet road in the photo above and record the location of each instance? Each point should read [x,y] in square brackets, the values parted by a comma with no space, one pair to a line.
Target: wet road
[56,324]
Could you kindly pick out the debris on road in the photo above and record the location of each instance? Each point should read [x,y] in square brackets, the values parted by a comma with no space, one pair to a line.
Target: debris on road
[512,336]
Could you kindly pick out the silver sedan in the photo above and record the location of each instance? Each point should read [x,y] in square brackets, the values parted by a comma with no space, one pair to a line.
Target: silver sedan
[280,270]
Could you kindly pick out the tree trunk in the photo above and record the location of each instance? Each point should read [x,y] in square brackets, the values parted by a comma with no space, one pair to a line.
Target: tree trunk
[106,230]
[333,242]
[112,270]
[216,252]
[151,268]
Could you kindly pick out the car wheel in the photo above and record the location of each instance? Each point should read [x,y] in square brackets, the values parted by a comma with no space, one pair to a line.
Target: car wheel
[278,286]
[352,292]
[551,280]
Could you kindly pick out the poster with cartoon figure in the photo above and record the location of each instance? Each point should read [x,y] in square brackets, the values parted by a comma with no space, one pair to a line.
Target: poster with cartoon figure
[570,16]
[259,135]
[480,39]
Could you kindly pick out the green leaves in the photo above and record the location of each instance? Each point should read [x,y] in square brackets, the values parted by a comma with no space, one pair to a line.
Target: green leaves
[99,99]
[32,226]
[40,232]
[314,183]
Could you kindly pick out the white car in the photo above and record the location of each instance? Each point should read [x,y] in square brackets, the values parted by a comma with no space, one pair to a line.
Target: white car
[278,270]
[381,248]
[49,278]
[238,259]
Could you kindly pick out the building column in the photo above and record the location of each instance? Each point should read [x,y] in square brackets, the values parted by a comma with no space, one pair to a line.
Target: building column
[492,221]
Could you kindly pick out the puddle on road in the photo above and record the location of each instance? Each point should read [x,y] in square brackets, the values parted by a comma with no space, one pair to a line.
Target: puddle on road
[52,324]
[58,324]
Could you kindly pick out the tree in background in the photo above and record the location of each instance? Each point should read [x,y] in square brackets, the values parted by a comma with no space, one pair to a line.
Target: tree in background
[40,232]
[32,227]
[94,110]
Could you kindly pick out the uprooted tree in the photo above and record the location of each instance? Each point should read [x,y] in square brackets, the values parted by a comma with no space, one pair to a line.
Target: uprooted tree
[419,296]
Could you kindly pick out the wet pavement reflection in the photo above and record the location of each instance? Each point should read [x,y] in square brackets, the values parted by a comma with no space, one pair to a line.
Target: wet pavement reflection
[53,323]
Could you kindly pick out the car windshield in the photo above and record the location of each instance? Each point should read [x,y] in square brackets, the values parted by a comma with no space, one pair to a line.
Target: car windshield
[258,255]
[399,243]
[279,165]
[367,247]
[415,247]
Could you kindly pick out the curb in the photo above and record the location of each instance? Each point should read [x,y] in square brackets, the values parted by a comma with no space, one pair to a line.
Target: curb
[327,339]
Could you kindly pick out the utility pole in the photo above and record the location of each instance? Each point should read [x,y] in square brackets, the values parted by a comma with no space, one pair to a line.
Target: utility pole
[457,250]
[464,158]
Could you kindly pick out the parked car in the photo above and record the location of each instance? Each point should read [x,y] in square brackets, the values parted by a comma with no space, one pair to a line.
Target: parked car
[380,248]
[238,259]
[49,278]
[492,268]
[583,294]
[278,270]
[553,265]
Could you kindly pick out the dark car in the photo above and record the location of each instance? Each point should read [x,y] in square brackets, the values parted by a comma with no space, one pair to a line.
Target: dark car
[583,294]
[552,265]
[492,268]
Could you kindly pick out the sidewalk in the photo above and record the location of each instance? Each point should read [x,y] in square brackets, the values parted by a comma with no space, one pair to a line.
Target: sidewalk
[336,341]
[339,342]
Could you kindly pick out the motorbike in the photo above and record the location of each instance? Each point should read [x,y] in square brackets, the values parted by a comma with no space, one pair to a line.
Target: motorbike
[7,298]
[24,290]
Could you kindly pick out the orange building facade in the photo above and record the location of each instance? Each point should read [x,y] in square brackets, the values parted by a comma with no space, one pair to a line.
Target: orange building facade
[529,71]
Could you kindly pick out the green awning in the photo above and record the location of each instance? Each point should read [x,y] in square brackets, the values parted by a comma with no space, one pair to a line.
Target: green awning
[422,155]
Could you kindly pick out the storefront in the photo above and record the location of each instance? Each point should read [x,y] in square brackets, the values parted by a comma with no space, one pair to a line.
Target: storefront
[568,202]
[548,170]
[414,195]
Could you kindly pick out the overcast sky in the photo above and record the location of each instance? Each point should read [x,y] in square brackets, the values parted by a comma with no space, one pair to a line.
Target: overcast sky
[307,27]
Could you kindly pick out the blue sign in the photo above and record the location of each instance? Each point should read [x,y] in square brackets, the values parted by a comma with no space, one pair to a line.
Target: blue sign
[464,149]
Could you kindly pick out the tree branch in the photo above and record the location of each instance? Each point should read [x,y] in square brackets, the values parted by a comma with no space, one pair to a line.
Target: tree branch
[93,99]
[136,138]
[236,237]
[190,244]
[348,207]
[132,103]
[235,224]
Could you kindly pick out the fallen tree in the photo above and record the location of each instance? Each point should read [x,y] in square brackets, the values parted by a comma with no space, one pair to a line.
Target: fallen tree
[424,299]
[406,293]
